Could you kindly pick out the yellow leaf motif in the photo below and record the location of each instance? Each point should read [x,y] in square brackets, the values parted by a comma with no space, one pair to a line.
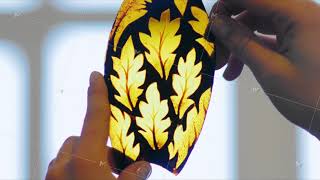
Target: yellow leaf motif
[181,5]
[198,120]
[130,78]
[119,126]
[130,11]
[152,121]
[180,146]
[185,139]
[162,42]
[186,83]
[200,26]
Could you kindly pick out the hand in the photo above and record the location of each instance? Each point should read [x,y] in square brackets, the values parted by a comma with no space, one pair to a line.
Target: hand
[284,55]
[85,157]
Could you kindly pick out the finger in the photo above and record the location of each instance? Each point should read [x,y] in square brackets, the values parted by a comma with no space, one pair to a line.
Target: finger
[65,152]
[136,171]
[52,162]
[117,161]
[269,41]
[262,25]
[235,65]
[246,47]
[222,55]
[96,124]
[279,16]
[58,167]
[287,8]
[223,7]
[234,69]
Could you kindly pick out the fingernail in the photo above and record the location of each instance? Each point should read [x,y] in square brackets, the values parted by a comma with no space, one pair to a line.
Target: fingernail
[227,75]
[144,171]
[94,76]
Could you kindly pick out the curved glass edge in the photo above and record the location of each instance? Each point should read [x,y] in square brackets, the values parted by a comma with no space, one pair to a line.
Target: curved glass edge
[217,145]
[17,6]
[215,153]
[96,6]
[226,167]
[56,37]
[19,60]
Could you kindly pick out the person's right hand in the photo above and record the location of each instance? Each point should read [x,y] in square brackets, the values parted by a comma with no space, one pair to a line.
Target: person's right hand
[287,65]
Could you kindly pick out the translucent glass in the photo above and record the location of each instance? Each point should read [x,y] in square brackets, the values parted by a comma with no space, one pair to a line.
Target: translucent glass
[214,155]
[14,135]
[72,51]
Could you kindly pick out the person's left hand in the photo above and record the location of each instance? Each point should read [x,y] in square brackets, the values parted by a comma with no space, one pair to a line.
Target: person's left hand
[86,157]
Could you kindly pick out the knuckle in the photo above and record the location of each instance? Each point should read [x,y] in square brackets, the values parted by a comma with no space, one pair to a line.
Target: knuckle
[77,164]
[70,140]
[53,174]
[52,163]
[243,46]
[74,164]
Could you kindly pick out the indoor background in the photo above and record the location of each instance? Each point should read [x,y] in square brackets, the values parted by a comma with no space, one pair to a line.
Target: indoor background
[48,49]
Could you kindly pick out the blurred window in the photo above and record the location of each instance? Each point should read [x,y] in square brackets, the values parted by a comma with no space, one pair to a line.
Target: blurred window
[14,113]
[72,52]
[17,6]
[88,6]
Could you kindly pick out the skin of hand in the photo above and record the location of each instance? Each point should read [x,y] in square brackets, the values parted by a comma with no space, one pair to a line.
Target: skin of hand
[80,157]
[279,41]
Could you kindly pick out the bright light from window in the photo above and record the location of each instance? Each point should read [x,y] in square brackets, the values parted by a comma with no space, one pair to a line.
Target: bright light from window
[308,157]
[89,6]
[14,140]
[17,6]
[72,52]
[104,6]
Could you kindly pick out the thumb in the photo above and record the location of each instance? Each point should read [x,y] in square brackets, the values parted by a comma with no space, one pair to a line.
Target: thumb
[136,171]
[247,47]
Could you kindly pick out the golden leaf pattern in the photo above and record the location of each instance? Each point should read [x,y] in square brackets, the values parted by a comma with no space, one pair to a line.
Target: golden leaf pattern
[162,42]
[180,146]
[185,139]
[200,26]
[130,78]
[152,121]
[120,123]
[181,5]
[161,109]
[186,83]
[130,11]
[198,120]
